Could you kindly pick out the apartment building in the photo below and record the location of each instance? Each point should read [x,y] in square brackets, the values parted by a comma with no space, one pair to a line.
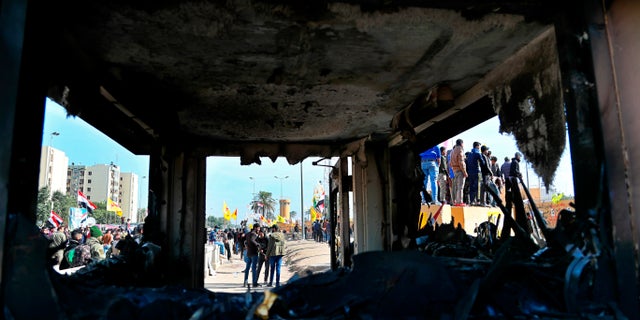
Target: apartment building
[129,183]
[102,181]
[53,170]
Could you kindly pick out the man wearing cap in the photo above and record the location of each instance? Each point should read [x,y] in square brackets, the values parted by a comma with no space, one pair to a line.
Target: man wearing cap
[514,170]
[430,161]
[514,174]
[95,243]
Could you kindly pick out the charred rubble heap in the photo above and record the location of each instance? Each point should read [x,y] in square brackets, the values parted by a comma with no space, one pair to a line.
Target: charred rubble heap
[536,273]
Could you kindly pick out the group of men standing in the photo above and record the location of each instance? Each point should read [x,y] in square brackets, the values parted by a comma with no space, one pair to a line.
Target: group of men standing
[462,178]
[260,246]
[321,230]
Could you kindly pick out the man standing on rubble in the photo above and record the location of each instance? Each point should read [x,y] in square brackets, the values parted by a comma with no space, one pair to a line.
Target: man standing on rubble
[459,168]
[430,161]
[512,180]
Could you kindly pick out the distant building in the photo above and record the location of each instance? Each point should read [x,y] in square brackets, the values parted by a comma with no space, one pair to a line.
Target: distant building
[102,181]
[285,207]
[76,178]
[129,195]
[53,170]
[105,181]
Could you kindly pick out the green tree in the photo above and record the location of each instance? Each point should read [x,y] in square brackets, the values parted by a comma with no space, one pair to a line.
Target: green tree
[216,221]
[264,204]
[102,215]
[141,214]
[293,215]
[62,203]
[43,207]
[58,202]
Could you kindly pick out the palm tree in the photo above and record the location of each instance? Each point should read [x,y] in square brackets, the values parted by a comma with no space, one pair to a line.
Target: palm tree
[264,204]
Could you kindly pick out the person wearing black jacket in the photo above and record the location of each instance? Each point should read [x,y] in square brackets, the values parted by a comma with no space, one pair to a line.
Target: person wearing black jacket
[253,248]
[512,180]
[262,257]
[487,175]
[514,171]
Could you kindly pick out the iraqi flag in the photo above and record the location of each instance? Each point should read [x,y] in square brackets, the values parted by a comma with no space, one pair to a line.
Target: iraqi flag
[85,203]
[55,219]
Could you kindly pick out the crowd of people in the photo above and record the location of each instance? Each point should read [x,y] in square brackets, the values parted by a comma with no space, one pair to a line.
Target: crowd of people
[86,244]
[321,230]
[462,178]
[259,247]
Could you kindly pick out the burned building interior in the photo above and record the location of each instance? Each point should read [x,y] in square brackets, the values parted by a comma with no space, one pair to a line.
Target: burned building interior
[376,82]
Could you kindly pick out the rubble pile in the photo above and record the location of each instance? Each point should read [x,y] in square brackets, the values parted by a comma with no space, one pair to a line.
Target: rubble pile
[452,276]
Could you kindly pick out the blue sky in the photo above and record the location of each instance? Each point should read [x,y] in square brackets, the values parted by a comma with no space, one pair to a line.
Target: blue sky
[228,181]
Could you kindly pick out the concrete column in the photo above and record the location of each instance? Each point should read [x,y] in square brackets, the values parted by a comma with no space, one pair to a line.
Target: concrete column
[343,217]
[177,213]
[370,214]
[23,85]
[615,48]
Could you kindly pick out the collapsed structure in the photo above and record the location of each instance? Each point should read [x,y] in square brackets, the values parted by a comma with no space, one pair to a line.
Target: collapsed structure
[183,80]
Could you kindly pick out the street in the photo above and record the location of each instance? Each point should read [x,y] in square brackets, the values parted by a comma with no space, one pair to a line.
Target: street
[301,255]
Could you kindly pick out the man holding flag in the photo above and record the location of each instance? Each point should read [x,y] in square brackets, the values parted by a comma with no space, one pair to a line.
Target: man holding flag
[84,202]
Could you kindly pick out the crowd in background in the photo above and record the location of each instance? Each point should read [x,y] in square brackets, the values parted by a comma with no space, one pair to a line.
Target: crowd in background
[86,244]
[464,178]
[259,247]
[321,230]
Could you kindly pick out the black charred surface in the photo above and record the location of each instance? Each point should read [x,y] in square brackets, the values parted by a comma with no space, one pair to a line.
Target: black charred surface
[230,72]
[530,107]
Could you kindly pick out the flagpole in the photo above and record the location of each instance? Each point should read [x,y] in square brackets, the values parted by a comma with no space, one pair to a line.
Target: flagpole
[302,202]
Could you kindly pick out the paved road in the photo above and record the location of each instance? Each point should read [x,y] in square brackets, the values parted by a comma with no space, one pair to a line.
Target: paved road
[300,254]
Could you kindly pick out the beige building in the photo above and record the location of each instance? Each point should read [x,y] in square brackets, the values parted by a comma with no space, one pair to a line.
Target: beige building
[129,195]
[285,208]
[97,182]
[53,170]
[76,178]
[102,181]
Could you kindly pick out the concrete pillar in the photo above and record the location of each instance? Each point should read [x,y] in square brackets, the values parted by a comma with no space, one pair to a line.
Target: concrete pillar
[23,83]
[370,212]
[615,49]
[343,193]
[598,49]
[176,218]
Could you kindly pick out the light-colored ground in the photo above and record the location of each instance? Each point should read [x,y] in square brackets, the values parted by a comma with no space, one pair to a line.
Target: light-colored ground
[301,255]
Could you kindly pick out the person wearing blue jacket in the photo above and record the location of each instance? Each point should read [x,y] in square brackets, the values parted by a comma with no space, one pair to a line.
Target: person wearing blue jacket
[430,161]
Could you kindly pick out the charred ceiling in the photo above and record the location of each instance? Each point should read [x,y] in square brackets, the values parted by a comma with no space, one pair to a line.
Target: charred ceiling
[274,78]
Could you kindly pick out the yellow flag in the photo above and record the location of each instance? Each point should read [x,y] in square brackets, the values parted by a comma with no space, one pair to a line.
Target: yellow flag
[235,214]
[225,211]
[313,213]
[112,206]
[280,219]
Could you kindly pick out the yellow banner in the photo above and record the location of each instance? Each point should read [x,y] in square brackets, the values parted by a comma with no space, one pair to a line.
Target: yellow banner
[112,206]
